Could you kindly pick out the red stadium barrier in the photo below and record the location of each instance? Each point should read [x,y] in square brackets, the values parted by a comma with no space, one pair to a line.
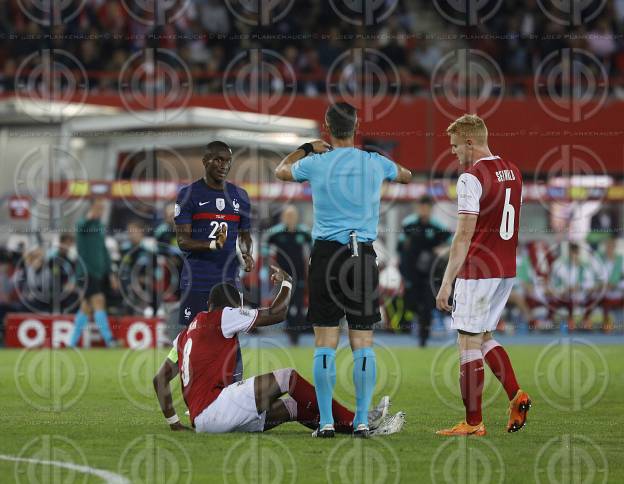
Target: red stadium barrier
[27,330]
[542,137]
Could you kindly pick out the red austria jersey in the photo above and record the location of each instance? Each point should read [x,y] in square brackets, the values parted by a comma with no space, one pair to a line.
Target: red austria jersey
[491,189]
[207,354]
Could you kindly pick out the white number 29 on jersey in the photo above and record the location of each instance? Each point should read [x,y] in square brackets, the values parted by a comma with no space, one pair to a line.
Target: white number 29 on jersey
[215,226]
[186,356]
[509,217]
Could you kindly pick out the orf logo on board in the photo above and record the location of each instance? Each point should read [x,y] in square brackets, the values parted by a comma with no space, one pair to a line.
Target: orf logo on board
[220,203]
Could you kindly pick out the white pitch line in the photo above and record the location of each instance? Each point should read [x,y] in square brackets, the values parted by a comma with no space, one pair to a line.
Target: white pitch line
[107,476]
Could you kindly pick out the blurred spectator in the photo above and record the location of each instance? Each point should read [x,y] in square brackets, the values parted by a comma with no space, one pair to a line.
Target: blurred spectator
[289,243]
[7,76]
[603,224]
[613,301]
[7,289]
[574,284]
[170,257]
[214,17]
[601,42]
[91,247]
[31,280]
[62,275]
[165,232]
[136,270]
[422,243]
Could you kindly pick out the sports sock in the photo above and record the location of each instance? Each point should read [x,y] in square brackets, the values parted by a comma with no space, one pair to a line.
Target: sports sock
[498,360]
[101,319]
[79,323]
[324,381]
[471,384]
[307,405]
[364,379]
[291,406]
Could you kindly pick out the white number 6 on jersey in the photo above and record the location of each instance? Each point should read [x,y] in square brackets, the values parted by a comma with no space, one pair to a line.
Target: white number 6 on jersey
[509,217]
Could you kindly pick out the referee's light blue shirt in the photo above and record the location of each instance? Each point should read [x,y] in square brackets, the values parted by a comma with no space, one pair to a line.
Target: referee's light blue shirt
[346,191]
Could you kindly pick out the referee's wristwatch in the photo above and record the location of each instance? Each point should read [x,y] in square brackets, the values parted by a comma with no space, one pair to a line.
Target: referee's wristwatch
[307,148]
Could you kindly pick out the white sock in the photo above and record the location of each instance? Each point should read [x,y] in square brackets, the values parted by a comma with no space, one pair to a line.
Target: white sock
[291,406]
[283,378]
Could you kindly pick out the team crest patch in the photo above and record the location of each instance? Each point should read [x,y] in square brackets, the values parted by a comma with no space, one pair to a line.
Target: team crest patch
[236,205]
[177,210]
[220,203]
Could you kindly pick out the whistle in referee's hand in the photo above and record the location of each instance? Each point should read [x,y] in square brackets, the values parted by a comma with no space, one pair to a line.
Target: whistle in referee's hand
[353,243]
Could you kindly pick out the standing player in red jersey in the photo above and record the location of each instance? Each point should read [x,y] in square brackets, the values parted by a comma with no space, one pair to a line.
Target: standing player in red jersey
[483,259]
[205,356]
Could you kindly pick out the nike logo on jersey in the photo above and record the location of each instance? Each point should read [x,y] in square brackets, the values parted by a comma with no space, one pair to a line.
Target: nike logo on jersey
[201,204]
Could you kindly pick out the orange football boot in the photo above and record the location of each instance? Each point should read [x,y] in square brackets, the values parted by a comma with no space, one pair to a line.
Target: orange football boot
[464,428]
[518,409]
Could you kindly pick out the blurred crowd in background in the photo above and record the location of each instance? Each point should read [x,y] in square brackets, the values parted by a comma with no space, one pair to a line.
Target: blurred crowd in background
[560,286]
[210,37]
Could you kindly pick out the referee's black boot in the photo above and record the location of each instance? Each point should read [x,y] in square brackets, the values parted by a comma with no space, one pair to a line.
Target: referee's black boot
[361,432]
[327,432]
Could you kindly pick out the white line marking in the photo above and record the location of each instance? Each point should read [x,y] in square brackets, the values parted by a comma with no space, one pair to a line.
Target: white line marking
[107,476]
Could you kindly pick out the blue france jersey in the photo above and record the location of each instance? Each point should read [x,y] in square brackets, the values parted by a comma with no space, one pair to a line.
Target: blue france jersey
[346,191]
[206,210]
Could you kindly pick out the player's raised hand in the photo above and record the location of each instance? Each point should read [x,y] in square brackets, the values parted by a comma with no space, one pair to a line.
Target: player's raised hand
[221,236]
[442,299]
[278,275]
[320,146]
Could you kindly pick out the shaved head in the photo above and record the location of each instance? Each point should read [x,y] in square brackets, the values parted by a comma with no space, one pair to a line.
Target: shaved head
[215,147]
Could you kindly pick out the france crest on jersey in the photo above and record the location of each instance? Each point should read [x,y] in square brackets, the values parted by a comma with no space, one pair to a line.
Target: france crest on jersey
[207,209]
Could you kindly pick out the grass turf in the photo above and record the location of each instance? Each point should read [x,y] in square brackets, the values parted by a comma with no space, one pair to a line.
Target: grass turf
[97,408]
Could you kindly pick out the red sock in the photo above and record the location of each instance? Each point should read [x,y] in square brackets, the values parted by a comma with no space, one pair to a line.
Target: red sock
[471,385]
[498,361]
[303,393]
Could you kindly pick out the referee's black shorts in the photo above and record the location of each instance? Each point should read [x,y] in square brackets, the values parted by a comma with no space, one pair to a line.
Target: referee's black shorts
[341,285]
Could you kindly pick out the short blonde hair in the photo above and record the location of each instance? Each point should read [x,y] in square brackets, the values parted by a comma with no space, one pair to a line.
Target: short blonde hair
[469,126]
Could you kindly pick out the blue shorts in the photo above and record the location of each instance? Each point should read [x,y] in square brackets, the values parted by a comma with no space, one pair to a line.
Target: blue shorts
[192,302]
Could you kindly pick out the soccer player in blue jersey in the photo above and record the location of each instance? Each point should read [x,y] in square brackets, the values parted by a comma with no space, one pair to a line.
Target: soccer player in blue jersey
[343,277]
[211,216]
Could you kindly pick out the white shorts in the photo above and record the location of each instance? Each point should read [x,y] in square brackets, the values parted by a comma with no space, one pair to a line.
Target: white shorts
[479,303]
[234,410]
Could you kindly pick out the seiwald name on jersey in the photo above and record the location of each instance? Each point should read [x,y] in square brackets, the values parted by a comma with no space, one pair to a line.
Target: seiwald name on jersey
[207,210]
[346,189]
[207,354]
[492,189]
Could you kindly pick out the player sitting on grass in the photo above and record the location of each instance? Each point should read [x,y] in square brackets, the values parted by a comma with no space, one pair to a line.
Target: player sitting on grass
[205,356]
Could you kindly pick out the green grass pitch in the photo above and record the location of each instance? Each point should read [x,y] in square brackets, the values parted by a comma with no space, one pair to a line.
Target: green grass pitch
[96,408]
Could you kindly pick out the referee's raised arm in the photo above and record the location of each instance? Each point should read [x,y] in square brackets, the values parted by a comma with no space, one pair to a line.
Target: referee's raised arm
[284,169]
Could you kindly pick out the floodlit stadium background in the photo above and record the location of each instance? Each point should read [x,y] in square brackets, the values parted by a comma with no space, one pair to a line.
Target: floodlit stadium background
[117,100]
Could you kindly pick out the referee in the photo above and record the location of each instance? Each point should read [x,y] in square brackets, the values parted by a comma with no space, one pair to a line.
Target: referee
[343,276]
